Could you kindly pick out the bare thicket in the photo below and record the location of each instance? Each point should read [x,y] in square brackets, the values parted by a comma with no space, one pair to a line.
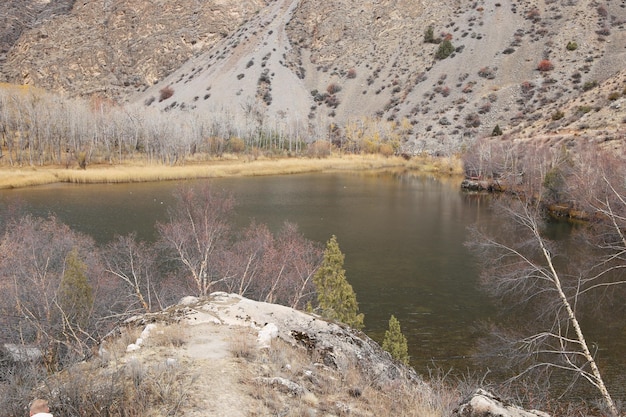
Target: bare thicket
[526,270]
[134,263]
[50,279]
[209,255]
[198,226]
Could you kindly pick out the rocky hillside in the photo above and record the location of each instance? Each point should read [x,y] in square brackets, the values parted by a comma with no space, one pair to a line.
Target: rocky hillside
[226,355]
[115,47]
[531,67]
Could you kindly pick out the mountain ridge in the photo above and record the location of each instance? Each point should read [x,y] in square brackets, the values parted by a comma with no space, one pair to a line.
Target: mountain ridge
[302,66]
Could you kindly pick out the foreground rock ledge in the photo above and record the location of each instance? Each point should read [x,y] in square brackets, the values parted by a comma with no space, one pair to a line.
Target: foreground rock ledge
[337,345]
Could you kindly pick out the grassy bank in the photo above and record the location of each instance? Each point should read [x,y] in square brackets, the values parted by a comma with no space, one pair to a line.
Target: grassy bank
[12,177]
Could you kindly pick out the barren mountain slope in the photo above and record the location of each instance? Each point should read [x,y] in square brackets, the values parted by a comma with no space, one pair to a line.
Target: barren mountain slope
[16,16]
[301,66]
[115,46]
[345,62]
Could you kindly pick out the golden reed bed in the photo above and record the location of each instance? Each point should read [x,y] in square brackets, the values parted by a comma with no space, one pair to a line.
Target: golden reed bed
[16,177]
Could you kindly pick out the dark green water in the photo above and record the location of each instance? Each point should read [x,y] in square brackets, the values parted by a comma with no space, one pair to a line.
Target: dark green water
[402,236]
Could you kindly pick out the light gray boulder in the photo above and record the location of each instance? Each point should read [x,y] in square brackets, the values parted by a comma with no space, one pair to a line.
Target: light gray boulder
[484,404]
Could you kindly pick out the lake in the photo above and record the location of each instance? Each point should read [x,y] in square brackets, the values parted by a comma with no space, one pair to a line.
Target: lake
[402,235]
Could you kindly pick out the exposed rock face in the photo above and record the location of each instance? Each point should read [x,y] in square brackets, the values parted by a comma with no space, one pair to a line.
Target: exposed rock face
[17,16]
[485,404]
[115,46]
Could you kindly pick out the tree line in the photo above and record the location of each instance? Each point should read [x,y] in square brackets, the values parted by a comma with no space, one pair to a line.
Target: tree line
[40,128]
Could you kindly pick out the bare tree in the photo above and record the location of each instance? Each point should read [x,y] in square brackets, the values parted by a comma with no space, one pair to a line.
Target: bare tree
[521,267]
[48,293]
[134,264]
[197,229]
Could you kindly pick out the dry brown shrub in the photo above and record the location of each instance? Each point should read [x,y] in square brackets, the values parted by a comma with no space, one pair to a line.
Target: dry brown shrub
[165,93]
[319,149]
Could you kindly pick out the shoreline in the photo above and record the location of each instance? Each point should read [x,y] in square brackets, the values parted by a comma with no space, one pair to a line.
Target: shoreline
[21,177]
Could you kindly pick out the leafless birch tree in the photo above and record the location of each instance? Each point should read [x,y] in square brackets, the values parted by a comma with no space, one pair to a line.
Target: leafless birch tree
[525,269]
[197,228]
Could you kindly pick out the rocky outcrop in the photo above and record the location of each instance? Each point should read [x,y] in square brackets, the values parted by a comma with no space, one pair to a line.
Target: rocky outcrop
[336,345]
[484,404]
[118,46]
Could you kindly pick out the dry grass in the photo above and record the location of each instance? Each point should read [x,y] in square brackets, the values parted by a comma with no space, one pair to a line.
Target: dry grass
[328,391]
[25,177]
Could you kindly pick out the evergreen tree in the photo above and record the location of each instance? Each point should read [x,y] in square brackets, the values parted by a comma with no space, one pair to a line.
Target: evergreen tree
[335,296]
[395,343]
[75,293]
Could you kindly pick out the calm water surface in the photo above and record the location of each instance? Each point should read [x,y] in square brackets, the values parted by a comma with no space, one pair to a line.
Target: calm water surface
[402,236]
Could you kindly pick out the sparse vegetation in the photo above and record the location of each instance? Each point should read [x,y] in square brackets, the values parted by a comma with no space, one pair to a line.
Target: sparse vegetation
[545,65]
[445,49]
[165,93]
[572,46]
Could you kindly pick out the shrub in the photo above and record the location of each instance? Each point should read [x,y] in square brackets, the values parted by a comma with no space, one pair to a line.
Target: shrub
[236,145]
[386,149]
[165,93]
[319,149]
[445,50]
[82,160]
[533,15]
[333,88]
[487,72]
[558,115]
[429,35]
[545,65]
[604,31]
[614,96]
[351,73]
[472,120]
[589,85]
[572,46]
[496,131]
[485,108]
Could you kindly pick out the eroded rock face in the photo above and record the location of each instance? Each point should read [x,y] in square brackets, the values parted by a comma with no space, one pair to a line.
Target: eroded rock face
[484,404]
[115,46]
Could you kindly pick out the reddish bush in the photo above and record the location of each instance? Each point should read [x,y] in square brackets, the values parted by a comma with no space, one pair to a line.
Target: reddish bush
[545,65]
[165,93]
[333,88]
[351,73]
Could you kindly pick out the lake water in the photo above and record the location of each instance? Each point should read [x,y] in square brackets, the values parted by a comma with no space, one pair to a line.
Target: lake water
[402,236]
